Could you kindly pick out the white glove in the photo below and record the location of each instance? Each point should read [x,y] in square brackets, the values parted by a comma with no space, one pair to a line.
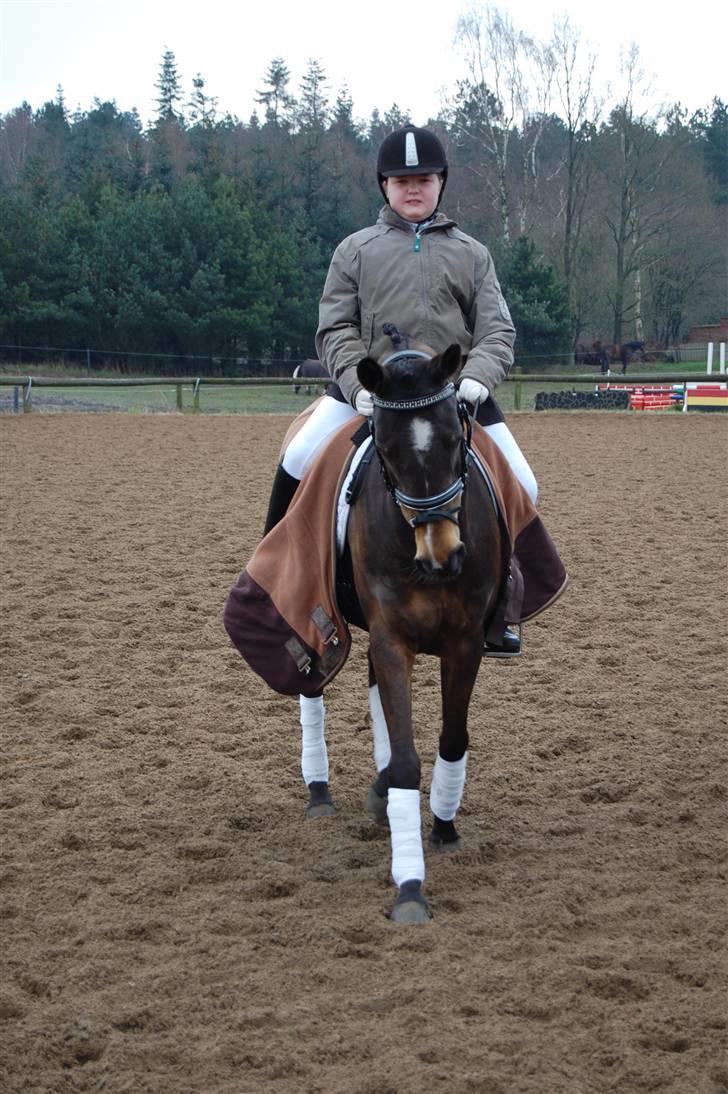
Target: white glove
[363,403]
[472,391]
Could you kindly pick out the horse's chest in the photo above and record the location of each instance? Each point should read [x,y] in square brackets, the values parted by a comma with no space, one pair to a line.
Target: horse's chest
[431,615]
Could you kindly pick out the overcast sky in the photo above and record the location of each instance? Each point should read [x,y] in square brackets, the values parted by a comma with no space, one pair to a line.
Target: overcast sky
[386,51]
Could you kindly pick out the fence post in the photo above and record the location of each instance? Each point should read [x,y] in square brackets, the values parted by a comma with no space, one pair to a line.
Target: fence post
[179,397]
[517,372]
[196,397]
[16,400]
[28,396]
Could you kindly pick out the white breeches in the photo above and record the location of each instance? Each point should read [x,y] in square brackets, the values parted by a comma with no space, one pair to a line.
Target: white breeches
[501,434]
[330,415]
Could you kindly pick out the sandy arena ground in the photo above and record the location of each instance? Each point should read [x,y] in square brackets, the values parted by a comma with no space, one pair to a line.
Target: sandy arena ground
[169,922]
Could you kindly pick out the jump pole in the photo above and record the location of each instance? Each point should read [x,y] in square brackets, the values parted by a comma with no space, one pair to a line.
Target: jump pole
[722,358]
[710,358]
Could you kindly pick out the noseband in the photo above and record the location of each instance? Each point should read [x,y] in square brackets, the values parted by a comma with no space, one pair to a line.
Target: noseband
[429,509]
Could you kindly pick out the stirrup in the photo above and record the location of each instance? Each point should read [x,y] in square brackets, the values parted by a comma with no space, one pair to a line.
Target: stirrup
[499,651]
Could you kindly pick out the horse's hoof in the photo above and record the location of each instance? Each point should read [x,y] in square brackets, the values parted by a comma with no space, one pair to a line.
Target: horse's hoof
[411,911]
[324,810]
[410,905]
[320,803]
[444,847]
[443,836]
[376,806]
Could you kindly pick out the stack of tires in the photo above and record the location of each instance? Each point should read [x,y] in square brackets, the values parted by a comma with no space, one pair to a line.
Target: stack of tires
[582,400]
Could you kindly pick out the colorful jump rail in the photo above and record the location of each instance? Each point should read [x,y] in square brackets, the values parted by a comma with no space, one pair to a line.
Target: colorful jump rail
[649,396]
[697,395]
[703,396]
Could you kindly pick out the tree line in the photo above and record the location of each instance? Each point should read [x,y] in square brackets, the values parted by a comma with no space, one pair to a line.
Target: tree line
[203,235]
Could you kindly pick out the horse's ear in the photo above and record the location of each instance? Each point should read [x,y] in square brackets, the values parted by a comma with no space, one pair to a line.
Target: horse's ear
[370,373]
[450,361]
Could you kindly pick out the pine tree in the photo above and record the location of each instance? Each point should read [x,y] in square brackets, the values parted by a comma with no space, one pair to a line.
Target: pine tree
[168,86]
[312,119]
[537,300]
[202,107]
[712,129]
[313,108]
[275,98]
[344,113]
[61,101]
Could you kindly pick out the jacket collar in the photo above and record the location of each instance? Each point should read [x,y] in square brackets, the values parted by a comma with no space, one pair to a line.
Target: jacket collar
[392,220]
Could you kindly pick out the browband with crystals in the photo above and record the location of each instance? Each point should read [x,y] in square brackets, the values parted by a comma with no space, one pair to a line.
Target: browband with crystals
[414,404]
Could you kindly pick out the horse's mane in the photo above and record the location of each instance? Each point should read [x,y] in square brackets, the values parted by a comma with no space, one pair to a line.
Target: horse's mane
[403,341]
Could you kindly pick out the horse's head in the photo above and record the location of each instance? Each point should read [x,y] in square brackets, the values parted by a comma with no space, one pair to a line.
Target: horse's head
[418,434]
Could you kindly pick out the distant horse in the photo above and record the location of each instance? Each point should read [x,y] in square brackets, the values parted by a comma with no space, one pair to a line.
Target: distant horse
[631,351]
[311,367]
[596,356]
[428,569]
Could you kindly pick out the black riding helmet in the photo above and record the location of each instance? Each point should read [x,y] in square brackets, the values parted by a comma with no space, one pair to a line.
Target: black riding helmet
[411,151]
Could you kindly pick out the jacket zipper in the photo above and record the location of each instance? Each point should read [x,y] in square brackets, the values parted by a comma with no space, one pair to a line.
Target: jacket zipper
[417,247]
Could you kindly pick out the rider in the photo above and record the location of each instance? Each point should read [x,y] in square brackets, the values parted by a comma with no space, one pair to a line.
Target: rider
[416,269]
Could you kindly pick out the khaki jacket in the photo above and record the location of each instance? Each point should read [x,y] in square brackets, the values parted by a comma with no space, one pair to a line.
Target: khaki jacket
[446,291]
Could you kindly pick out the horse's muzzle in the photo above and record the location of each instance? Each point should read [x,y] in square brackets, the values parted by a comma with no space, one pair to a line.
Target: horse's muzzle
[440,551]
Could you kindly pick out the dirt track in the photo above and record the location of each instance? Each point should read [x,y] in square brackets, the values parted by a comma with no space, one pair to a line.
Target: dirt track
[170,923]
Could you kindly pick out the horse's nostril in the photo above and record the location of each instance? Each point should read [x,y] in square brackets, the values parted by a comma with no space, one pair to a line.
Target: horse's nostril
[425,564]
[456,559]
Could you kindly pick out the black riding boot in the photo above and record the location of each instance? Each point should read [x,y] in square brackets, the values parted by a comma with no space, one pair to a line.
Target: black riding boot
[509,646]
[501,639]
[284,487]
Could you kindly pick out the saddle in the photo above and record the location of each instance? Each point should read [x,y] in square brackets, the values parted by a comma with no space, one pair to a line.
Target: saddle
[289,612]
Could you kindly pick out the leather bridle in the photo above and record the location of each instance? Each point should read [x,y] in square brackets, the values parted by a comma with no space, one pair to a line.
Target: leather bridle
[429,509]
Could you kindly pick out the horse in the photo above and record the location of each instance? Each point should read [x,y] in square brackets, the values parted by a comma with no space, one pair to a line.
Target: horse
[597,355]
[632,351]
[310,368]
[428,563]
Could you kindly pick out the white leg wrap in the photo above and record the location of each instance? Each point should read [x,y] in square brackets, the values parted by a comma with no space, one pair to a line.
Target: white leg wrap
[314,758]
[505,440]
[382,750]
[446,790]
[403,811]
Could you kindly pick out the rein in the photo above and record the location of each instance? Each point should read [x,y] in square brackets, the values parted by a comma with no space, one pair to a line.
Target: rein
[429,509]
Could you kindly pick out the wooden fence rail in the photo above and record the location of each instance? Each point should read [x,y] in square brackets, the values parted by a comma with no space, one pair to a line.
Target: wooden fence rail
[26,384]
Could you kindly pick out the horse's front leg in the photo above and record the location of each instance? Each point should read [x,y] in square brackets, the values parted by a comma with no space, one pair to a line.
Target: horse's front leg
[392,664]
[377,797]
[458,672]
[314,756]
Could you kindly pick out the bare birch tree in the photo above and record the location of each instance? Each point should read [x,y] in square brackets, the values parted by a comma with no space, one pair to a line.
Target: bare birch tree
[504,101]
[641,209]
[579,110]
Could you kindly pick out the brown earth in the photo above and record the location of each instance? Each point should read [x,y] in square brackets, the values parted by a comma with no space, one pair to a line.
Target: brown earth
[170,922]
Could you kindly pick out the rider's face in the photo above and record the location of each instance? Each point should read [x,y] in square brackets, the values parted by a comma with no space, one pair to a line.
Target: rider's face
[413,197]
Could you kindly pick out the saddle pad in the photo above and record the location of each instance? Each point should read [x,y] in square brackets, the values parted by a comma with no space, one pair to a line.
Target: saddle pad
[343,508]
[283,615]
